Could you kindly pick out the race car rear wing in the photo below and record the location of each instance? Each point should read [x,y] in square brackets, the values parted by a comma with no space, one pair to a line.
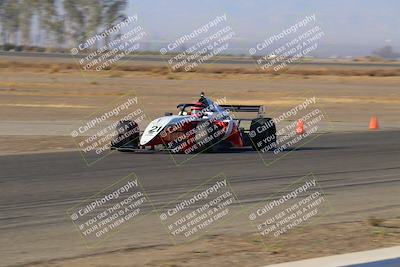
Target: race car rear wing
[246,108]
[260,110]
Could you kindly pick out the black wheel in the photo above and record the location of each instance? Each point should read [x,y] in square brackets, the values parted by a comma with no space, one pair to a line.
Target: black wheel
[246,137]
[263,134]
[127,135]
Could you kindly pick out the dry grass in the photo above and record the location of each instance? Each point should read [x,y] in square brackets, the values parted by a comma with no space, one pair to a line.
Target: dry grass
[55,68]
[375,221]
[164,69]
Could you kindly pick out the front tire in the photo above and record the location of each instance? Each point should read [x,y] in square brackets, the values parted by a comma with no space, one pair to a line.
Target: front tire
[127,135]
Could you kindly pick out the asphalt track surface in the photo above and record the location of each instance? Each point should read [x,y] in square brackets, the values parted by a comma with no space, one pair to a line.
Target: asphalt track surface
[359,172]
[161,59]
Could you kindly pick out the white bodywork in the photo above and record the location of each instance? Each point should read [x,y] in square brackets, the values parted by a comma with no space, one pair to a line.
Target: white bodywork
[157,125]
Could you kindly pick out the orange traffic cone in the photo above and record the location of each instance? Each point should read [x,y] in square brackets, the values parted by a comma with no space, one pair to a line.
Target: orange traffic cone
[373,123]
[300,127]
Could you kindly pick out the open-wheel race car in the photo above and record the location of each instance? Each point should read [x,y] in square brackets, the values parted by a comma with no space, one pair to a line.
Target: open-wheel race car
[199,127]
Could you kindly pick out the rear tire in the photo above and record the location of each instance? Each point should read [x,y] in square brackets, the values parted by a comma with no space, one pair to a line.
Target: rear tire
[263,134]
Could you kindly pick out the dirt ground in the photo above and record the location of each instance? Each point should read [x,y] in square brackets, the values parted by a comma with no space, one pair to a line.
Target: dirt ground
[248,249]
[59,94]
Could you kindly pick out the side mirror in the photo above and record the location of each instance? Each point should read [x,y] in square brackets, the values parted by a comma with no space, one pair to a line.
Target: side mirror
[168,114]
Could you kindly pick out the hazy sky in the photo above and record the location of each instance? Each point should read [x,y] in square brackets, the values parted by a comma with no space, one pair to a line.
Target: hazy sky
[354,22]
